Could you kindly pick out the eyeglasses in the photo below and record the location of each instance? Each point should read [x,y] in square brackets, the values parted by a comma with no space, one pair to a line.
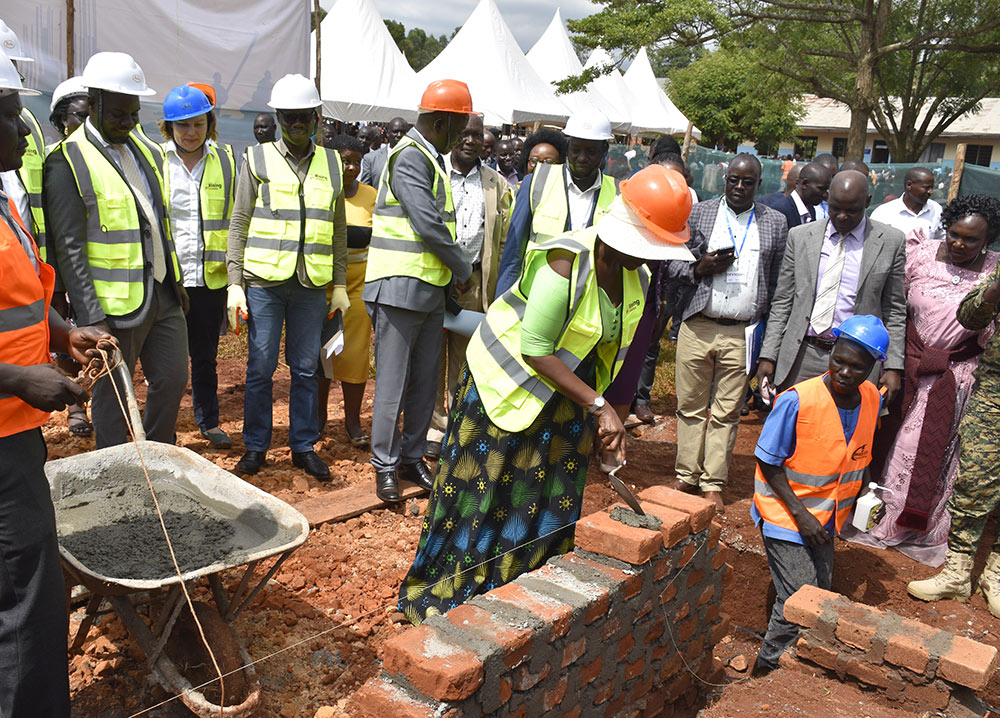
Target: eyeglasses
[290,118]
[743,181]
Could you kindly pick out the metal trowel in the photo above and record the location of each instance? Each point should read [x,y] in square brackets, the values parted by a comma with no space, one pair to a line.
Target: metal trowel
[619,486]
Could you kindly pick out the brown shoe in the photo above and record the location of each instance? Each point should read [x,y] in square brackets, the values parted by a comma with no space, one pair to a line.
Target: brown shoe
[716,498]
[687,488]
[644,414]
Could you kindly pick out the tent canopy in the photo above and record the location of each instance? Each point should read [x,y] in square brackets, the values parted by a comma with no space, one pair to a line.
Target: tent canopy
[365,77]
[554,59]
[653,111]
[505,88]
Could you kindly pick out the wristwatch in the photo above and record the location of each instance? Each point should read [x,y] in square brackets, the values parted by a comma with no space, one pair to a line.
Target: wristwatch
[599,403]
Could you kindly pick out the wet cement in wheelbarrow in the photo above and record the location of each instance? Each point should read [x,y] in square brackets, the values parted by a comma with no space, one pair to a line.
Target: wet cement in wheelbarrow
[116,532]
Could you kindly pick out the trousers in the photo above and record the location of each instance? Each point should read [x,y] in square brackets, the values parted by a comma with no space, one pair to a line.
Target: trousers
[208,309]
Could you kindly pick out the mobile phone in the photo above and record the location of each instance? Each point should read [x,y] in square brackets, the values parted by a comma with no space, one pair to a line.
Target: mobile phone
[725,252]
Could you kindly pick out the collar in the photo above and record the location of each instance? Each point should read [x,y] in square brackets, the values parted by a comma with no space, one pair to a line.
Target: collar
[910,212]
[170,147]
[451,168]
[733,212]
[96,135]
[283,149]
[799,204]
[857,233]
[595,186]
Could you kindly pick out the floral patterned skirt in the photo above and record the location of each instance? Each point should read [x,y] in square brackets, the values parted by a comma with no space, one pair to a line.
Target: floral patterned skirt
[502,504]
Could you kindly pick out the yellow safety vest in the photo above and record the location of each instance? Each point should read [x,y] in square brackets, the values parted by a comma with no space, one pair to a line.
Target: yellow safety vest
[511,391]
[396,250]
[31,177]
[216,195]
[550,204]
[115,249]
[277,233]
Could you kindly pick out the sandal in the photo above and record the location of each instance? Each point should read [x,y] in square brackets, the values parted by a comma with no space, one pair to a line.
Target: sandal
[78,422]
[218,438]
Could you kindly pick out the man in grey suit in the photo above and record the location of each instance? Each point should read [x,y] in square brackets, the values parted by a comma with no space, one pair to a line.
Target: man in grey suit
[832,270]
[373,162]
[413,265]
[737,244]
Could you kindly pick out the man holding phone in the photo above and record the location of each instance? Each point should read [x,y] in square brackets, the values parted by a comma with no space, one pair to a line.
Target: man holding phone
[738,246]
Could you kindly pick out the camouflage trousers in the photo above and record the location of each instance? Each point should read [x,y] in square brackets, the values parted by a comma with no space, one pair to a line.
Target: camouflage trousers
[977,485]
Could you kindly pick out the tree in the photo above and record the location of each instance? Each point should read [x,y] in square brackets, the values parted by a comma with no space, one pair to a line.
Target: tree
[892,62]
[417,46]
[724,94]
[673,57]
[398,33]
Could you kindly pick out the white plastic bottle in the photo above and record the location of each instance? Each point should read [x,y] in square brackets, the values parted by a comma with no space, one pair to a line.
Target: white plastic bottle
[866,508]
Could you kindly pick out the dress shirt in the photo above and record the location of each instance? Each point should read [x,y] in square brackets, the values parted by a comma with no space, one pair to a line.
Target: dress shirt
[185,214]
[848,293]
[581,201]
[113,154]
[897,214]
[470,210]
[803,210]
[513,180]
[10,182]
[734,292]
[822,210]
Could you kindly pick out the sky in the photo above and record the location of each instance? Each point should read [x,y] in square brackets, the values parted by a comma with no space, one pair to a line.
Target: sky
[527,19]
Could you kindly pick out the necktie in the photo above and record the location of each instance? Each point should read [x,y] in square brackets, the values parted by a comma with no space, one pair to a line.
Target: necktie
[829,288]
[131,171]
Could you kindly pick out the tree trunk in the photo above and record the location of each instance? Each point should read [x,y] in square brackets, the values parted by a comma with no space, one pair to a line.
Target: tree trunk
[873,27]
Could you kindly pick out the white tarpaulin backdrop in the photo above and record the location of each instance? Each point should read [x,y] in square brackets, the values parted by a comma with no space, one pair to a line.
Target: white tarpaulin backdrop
[241,47]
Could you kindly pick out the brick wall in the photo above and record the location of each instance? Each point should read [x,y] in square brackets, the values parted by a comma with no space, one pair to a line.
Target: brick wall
[907,660]
[618,627]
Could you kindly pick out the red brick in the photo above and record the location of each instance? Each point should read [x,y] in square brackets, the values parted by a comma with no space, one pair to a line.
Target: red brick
[695,577]
[574,650]
[712,613]
[817,653]
[689,552]
[686,629]
[662,567]
[625,646]
[555,696]
[521,712]
[598,609]
[634,669]
[856,626]
[968,663]
[678,686]
[682,612]
[671,666]
[604,692]
[867,673]
[611,629]
[660,650]
[806,605]
[655,631]
[591,671]
[668,593]
[550,610]
[640,689]
[714,533]
[693,651]
[720,557]
[720,630]
[934,695]
[506,691]
[631,583]
[791,663]
[599,533]
[523,679]
[908,649]
[437,669]
[516,642]
[646,609]
[575,713]
[613,709]
[700,511]
[378,699]
[706,595]
[674,525]
[729,575]
[597,594]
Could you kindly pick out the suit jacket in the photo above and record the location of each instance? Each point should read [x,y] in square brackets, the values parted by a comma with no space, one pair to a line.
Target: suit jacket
[880,292]
[772,231]
[498,205]
[66,235]
[785,205]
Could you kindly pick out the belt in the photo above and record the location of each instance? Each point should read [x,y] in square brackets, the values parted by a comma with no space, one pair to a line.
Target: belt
[824,344]
[723,322]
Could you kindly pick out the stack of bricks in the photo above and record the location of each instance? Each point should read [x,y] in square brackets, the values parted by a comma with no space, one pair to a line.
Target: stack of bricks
[624,625]
[906,660]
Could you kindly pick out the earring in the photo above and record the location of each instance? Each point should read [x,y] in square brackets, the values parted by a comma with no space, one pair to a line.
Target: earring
[984,251]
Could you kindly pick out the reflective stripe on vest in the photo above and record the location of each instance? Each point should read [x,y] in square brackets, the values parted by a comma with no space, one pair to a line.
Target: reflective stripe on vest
[395,249]
[550,203]
[115,249]
[277,232]
[825,472]
[31,177]
[24,327]
[512,392]
[216,194]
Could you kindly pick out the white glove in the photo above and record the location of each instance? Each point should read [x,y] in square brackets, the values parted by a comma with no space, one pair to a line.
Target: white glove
[339,300]
[236,305]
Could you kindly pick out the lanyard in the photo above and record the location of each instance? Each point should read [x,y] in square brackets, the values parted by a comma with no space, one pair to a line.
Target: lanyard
[746,231]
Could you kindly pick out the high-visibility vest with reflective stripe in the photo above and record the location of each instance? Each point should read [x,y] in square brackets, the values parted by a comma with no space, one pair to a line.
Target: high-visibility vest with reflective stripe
[396,250]
[216,194]
[826,471]
[24,328]
[274,238]
[512,392]
[550,203]
[115,249]
[31,177]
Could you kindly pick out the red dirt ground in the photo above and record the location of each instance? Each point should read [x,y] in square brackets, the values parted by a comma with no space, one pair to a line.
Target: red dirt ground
[321,620]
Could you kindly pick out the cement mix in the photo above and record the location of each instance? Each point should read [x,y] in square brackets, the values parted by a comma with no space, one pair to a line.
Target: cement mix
[631,518]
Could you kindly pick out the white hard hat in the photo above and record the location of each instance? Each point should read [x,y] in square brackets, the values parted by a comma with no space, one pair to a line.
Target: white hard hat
[73,87]
[116,72]
[10,79]
[294,92]
[589,124]
[11,45]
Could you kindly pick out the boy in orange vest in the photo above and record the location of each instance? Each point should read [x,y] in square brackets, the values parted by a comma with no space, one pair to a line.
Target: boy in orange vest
[812,457]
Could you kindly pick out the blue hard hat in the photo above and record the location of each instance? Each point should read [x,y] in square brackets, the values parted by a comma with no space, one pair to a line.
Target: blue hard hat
[185,102]
[868,331]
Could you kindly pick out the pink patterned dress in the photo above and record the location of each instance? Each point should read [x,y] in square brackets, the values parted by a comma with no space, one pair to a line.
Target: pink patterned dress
[934,290]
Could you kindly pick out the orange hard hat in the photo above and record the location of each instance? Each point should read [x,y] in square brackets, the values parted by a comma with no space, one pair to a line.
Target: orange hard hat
[447,96]
[661,199]
[207,89]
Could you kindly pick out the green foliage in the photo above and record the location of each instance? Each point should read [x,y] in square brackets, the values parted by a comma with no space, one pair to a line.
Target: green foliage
[417,46]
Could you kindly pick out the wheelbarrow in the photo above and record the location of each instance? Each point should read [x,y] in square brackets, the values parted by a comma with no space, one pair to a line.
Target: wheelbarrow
[108,547]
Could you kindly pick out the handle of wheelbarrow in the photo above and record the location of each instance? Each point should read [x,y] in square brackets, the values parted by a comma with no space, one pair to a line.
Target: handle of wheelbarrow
[125,381]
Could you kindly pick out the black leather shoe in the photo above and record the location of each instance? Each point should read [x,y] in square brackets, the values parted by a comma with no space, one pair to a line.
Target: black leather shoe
[250,463]
[312,464]
[418,473]
[385,486]
[433,450]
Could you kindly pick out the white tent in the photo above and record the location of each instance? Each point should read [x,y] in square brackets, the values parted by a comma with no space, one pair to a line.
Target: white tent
[554,59]
[612,85]
[365,77]
[653,111]
[505,88]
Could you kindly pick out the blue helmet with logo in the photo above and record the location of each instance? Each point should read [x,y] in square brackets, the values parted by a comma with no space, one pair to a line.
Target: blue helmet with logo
[185,102]
[868,331]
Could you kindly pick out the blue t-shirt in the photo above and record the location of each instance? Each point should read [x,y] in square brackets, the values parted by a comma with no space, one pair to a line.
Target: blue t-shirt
[777,443]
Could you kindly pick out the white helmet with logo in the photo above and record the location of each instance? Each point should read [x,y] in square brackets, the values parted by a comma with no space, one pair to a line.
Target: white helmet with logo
[116,72]
[588,124]
[294,92]
[73,87]
[11,45]
[10,79]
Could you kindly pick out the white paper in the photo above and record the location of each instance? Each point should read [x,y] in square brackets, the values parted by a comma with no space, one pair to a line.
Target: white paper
[466,322]
[753,340]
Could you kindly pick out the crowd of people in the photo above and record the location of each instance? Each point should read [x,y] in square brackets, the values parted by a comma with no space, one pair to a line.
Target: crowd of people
[374,241]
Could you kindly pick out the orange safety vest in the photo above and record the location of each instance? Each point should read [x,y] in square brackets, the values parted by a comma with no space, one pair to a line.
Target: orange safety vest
[825,472]
[25,295]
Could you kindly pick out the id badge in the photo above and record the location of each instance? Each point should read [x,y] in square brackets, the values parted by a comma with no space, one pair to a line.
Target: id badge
[733,274]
